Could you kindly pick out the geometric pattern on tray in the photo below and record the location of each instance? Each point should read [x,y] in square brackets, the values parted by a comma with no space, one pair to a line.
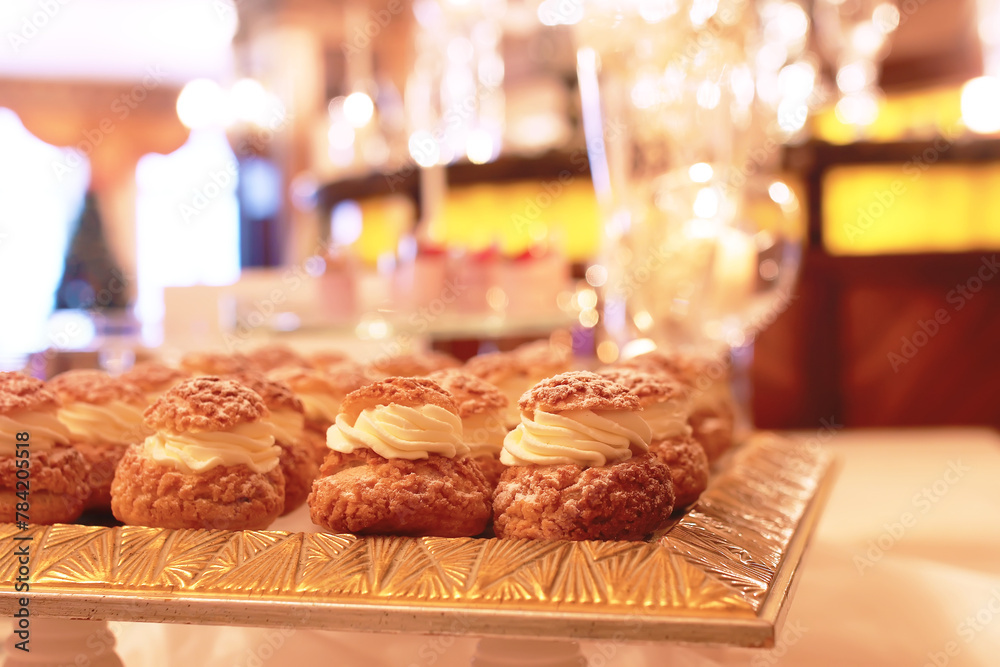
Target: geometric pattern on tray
[719,559]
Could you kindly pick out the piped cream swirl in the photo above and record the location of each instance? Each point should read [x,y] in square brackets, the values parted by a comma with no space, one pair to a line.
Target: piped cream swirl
[115,422]
[717,397]
[400,432]
[320,407]
[667,420]
[513,388]
[484,432]
[44,429]
[580,437]
[251,445]
[288,426]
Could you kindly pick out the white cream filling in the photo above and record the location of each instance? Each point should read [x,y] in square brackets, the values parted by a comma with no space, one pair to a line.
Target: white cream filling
[44,430]
[400,432]
[251,445]
[667,420]
[484,432]
[288,426]
[115,422]
[581,437]
[320,407]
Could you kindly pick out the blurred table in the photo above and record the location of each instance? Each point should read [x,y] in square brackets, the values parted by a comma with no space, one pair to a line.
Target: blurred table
[904,569]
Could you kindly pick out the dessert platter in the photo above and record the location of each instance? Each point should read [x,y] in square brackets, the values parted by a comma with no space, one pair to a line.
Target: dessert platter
[407,496]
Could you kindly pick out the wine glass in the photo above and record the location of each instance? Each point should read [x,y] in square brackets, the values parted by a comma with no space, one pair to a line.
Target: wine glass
[853,37]
[702,246]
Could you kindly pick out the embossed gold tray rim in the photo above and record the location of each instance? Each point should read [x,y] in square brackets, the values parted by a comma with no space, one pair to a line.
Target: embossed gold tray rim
[723,574]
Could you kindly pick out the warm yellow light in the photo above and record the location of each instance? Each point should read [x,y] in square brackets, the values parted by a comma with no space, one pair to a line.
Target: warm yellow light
[883,209]
[698,228]
[709,95]
[424,149]
[925,113]
[597,275]
[700,172]
[358,109]
[792,22]
[479,147]
[643,320]
[779,193]
[886,17]
[867,39]
[250,101]
[702,10]
[654,11]
[855,77]
[587,299]
[706,203]
[981,104]
[644,92]
[792,115]
[202,103]
[858,109]
[797,80]
[634,348]
[607,352]
[374,328]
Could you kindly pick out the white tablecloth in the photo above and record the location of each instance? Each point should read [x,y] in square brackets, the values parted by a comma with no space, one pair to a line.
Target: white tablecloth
[904,569]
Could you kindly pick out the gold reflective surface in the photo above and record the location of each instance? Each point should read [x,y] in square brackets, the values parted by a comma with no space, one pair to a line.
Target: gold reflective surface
[720,574]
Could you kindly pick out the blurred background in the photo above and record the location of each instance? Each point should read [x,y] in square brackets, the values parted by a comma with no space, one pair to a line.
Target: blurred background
[447,173]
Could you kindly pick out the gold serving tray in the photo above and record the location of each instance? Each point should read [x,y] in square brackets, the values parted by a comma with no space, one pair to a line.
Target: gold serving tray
[723,573]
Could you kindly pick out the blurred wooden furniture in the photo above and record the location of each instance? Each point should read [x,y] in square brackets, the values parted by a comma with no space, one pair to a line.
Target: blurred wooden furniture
[886,339]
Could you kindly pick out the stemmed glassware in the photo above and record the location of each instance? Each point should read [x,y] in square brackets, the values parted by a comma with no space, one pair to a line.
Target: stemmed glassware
[854,38]
[703,240]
